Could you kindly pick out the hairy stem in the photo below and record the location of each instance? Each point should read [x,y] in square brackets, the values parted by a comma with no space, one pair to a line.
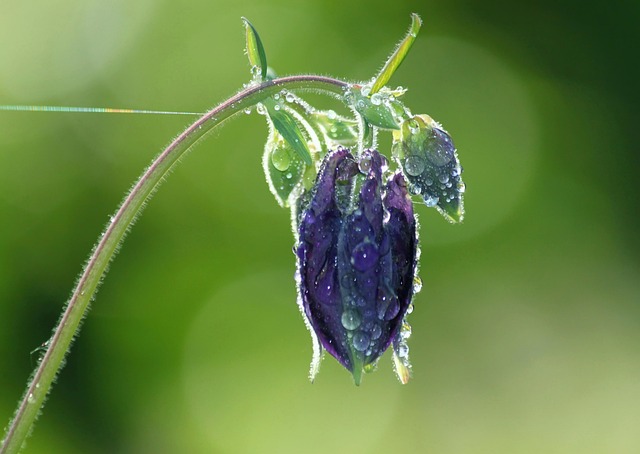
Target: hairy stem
[102,254]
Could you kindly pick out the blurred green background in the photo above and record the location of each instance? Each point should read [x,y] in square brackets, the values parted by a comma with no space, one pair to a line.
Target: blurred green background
[526,335]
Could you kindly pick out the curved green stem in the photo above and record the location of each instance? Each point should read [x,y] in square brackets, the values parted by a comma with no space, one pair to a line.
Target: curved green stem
[102,254]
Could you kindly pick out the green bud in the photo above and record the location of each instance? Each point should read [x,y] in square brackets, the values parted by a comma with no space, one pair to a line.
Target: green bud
[429,161]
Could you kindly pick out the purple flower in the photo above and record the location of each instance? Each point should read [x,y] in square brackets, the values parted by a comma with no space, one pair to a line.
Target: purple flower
[356,255]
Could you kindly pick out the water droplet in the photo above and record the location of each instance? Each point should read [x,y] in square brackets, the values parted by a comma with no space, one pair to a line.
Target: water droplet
[289,97]
[413,126]
[331,115]
[410,309]
[365,90]
[428,181]
[347,281]
[277,107]
[403,350]
[386,216]
[31,399]
[288,176]
[371,367]
[261,109]
[360,301]
[280,159]
[360,104]
[364,256]
[376,331]
[361,341]
[430,200]
[247,110]
[414,165]
[392,310]
[376,99]
[365,165]
[417,284]
[405,331]
[351,319]
[462,187]
[444,178]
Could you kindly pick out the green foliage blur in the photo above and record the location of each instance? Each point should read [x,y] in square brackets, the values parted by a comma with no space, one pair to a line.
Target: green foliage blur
[526,334]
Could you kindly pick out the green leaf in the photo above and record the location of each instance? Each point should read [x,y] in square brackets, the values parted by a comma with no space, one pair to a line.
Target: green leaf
[288,128]
[255,50]
[398,55]
[337,130]
[283,168]
[381,109]
[430,163]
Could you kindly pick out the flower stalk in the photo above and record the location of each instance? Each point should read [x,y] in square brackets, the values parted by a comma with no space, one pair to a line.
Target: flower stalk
[110,240]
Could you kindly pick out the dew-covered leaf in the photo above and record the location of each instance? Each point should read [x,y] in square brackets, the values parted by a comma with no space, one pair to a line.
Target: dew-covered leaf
[255,50]
[429,161]
[288,128]
[380,109]
[337,130]
[283,168]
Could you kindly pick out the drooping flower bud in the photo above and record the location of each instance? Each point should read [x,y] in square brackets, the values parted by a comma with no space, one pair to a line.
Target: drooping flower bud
[356,253]
[429,161]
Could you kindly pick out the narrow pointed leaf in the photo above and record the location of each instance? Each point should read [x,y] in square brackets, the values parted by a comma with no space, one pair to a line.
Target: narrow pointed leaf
[398,55]
[255,50]
[286,125]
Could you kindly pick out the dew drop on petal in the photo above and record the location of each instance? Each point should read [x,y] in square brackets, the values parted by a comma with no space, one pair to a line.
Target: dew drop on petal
[364,256]
[351,319]
[365,165]
[361,341]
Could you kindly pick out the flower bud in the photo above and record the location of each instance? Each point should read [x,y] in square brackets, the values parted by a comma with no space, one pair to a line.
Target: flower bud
[356,255]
